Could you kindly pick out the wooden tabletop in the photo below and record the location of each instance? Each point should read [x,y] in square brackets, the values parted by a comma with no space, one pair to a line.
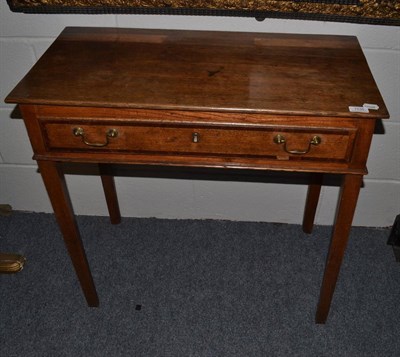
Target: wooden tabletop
[197,70]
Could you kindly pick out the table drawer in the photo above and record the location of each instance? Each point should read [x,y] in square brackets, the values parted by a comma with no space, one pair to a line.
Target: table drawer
[279,142]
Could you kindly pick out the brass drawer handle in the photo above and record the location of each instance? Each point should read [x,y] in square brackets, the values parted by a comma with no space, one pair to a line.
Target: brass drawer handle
[111,133]
[280,139]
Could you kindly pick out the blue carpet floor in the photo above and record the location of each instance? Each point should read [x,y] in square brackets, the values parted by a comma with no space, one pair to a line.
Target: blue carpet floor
[195,288]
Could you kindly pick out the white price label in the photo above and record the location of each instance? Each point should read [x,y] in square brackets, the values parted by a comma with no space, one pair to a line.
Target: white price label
[371,106]
[358,109]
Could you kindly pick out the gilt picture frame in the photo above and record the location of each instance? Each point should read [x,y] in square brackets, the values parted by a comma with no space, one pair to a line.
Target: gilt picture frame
[378,12]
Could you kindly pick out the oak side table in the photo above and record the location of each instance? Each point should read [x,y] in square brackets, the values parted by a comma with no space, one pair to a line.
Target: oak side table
[282,102]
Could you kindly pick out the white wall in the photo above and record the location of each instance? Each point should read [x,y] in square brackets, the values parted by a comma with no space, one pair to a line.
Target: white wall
[23,38]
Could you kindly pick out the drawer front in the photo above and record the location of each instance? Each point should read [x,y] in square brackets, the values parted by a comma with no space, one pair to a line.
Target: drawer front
[278,142]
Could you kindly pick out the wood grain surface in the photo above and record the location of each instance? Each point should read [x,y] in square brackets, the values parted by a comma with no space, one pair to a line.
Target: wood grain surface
[196,70]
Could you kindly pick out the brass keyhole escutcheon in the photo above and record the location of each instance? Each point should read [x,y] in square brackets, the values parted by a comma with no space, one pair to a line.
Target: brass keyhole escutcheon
[195,137]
